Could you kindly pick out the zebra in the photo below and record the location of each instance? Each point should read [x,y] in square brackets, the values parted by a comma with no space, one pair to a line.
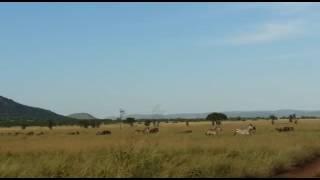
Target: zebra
[213,131]
[248,131]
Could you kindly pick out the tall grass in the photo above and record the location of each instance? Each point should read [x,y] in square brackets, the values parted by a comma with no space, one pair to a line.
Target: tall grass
[167,154]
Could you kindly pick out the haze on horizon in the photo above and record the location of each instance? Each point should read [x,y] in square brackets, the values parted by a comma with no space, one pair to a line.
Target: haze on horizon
[168,57]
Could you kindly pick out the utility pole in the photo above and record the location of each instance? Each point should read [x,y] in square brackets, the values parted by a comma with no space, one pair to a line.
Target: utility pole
[122,112]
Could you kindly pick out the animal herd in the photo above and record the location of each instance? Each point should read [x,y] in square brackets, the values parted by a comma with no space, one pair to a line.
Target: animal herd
[216,130]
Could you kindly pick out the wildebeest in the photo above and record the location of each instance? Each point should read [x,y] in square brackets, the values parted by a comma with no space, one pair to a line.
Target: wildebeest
[247,131]
[186,131]
[147,130]
[40,133]
[73,133]
[30,133]
[213,131]
[154,130]
[105,132]
[284,129]
[17,133]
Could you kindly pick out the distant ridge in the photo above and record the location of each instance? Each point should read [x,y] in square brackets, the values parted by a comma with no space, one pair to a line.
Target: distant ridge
[11,110]
[82,116]
[245,114]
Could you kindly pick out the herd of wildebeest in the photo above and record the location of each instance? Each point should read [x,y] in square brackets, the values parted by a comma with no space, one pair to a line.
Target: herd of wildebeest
[215,130]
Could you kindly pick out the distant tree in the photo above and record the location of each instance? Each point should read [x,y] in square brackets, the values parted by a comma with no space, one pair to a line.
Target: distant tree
[50,124]
[147,122]
[273,118]
[23,126]
[84,123]
[292,117]
[187,123]
[130,121]
[216,118]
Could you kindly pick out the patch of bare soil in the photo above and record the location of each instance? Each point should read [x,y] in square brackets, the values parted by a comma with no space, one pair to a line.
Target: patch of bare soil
[311,169]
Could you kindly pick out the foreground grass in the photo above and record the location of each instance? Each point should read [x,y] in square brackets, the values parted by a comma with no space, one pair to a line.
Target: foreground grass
[167,154]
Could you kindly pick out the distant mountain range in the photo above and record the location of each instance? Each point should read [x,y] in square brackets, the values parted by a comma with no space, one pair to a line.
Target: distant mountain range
[82,116]
[11,110]
[247,114]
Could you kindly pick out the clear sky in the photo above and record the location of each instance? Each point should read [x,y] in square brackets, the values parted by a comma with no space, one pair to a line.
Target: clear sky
[181,57]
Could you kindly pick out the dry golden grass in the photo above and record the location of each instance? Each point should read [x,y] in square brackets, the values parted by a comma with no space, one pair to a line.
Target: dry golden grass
[169,153]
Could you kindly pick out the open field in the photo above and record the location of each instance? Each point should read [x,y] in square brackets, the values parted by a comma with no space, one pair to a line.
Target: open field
[169,153]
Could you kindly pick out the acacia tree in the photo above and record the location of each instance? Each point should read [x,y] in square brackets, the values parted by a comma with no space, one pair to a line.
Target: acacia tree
[292,117]
[147,123]
[50,124]
[216,118]
[273,118]
[187,123]
[130,121]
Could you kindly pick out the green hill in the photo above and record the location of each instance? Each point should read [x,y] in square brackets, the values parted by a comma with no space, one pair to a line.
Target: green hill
[11,110]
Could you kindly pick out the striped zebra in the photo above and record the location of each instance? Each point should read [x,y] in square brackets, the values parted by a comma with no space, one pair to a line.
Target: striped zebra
[213,131]
[248,131]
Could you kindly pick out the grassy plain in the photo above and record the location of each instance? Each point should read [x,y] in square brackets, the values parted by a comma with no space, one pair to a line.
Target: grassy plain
[169,153]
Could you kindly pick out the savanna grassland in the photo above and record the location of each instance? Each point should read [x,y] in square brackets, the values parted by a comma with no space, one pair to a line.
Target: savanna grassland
[169,153]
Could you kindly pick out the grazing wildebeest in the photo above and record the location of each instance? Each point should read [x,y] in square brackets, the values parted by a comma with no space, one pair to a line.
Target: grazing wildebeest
[154,130]
[30,133]
[284,129]
[213,131]
[74,133]
[187,131]
[17,133]
[105,132]
[248,131]
[40,133]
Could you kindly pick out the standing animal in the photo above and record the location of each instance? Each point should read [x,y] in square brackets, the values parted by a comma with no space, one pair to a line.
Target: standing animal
[105,132]
[74,133]
[40,133]
[30,133]
[146,130]
[187,131]
[213,131]
[247,131]
[154,130]
[284,129]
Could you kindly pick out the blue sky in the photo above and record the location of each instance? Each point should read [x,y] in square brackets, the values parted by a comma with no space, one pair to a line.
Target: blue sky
[173,57]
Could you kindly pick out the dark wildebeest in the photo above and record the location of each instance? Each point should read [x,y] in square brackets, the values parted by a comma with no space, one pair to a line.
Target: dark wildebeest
[73,133]
[186,131]
[30,133]
[154,130]
[285,129]
[40,133]
[105,132]
[17,133]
